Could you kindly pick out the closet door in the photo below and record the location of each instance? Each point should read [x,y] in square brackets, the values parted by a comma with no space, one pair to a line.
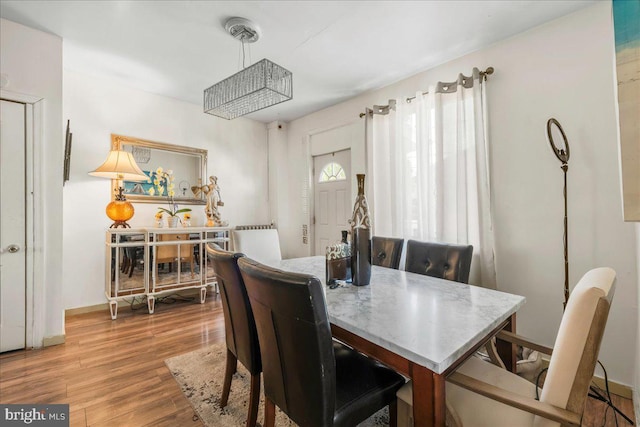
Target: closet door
[12,225]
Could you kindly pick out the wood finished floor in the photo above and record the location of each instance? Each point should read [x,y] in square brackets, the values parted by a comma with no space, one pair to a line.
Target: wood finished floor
[112,373]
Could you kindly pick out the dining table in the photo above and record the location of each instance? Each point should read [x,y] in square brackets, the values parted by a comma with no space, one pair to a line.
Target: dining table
[421,326]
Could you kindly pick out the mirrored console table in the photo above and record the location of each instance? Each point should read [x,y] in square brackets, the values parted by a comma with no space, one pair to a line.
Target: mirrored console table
[148,262]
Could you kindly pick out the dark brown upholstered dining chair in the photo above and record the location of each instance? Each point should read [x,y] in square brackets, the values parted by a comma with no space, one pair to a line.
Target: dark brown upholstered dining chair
[386,251]
[240,327]
[315,380]
[451,262]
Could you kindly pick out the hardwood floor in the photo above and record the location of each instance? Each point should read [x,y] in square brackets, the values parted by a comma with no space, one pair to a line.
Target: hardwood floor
[112,373]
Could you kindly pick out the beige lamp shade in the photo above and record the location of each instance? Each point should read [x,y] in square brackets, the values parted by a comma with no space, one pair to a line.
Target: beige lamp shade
[120,165]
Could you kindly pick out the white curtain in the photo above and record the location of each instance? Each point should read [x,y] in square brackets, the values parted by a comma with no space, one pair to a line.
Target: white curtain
[429,171]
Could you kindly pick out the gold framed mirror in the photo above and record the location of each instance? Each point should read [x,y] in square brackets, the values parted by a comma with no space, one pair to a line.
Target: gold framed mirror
[189,167]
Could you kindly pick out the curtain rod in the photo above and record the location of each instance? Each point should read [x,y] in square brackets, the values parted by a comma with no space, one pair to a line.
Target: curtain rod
[385,108]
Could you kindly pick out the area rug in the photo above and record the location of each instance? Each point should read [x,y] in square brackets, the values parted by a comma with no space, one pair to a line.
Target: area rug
[200,375]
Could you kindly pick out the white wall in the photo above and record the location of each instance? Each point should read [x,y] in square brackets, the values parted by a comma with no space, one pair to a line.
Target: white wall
[563,69]
[32,61]
[277,136]
[98,107]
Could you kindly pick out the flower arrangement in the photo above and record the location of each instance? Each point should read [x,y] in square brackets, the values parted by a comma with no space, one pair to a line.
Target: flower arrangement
[186,220]
[158,217]
[163,185]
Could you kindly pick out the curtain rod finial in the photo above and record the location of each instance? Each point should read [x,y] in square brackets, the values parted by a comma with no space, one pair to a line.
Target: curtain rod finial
[367,111]
[489,71]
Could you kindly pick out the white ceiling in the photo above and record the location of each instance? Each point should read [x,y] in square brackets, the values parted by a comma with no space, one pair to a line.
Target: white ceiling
[335,49]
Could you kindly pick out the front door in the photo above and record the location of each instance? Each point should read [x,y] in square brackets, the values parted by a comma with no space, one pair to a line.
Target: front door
[12,226]
[332,193]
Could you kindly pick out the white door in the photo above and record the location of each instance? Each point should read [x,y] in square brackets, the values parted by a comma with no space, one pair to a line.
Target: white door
[12,226]
[332,194]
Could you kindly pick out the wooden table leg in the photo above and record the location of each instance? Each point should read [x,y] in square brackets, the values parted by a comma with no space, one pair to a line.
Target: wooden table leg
[429,401]
[506,350]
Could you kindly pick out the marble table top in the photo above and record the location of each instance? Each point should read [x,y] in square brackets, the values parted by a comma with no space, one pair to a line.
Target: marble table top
[429,321]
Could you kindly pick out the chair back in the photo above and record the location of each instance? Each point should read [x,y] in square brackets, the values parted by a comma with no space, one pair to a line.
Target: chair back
[239,324]
[575,352]
[169,253]
[450,262]
[386,251]
[261,245]
[295,341]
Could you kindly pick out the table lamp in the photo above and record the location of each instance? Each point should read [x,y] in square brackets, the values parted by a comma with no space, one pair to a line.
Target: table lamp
[120,165]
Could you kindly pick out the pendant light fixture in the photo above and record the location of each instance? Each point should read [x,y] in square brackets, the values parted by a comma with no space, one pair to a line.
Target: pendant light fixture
[255,87]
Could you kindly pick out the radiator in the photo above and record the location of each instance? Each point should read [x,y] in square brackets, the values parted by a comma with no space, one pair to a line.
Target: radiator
[256,227]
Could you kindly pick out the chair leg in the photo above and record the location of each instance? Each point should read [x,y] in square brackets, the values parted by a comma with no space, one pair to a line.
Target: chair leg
[232,362]
[393,413]
[125,263]
[254,400]
[492,352]
[269,412]
[133,264]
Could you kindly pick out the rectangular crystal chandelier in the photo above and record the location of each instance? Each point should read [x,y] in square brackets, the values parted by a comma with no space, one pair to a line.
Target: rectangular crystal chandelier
[258,86]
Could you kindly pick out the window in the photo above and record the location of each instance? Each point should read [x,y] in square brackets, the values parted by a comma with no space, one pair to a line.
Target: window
[332,172]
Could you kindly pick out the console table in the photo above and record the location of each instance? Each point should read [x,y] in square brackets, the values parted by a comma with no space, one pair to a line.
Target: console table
[147,262]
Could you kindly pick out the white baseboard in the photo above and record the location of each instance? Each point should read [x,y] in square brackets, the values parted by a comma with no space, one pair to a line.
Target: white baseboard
[92,308]
[121,304]
[54,340]
[636,405]
[622,390]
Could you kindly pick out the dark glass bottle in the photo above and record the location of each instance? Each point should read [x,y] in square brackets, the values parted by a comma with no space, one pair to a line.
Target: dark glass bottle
[338,264]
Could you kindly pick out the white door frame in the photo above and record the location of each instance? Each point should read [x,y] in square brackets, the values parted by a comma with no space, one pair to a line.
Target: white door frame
[35,301]
[308,189]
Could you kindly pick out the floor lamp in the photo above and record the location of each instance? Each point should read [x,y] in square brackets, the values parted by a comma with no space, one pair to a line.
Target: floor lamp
[562,154]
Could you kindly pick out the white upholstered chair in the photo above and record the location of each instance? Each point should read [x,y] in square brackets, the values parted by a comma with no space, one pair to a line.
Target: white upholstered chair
[260,245]
[482,394]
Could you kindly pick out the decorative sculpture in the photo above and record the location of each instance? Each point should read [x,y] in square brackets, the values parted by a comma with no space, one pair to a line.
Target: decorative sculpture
[214,200]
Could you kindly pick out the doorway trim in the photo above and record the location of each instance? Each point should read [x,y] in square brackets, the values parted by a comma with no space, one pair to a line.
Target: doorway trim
[34,274]
[308,184]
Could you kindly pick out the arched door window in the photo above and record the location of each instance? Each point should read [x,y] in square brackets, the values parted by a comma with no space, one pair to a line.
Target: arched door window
[332,172]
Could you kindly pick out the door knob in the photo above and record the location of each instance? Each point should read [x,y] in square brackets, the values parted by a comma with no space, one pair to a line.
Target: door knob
[12,249]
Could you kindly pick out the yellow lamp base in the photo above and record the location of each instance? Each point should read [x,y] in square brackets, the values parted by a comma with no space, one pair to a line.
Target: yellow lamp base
[120,211]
